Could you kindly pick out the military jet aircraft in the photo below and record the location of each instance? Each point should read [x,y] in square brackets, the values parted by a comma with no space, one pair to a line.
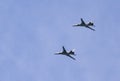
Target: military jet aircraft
[87,25]
[64,52]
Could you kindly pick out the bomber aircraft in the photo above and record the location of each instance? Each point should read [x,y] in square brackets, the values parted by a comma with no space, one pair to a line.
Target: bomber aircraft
[87,25]
[64,52]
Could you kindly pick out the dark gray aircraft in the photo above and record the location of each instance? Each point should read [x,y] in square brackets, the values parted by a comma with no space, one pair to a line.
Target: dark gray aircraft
[87,25]
[64,52]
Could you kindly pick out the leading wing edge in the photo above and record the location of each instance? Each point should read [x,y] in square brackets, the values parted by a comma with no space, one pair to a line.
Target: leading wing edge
[64,50]
[82,21]
[90,28]
[71,57]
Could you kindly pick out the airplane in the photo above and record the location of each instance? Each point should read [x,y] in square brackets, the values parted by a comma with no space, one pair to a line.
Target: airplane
[64,52]
[87,25]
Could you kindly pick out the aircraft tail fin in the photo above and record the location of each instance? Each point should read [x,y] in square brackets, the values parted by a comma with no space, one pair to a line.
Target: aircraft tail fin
[72,52]
[91,24]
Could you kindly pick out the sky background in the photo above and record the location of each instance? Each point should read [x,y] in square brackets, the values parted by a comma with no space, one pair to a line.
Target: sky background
[31,31]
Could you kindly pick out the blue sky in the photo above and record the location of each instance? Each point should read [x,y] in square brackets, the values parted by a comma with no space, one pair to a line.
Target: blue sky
[31,31]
